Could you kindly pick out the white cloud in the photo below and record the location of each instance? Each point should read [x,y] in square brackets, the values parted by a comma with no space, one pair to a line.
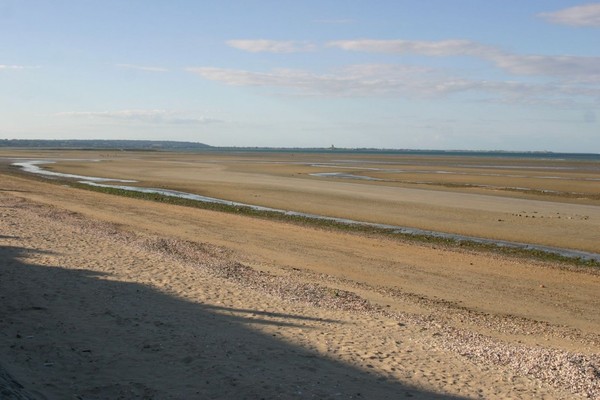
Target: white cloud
[236,77]
[271,46]
[427,48]
[142,116]
[398,81]
[343,83]
[583,15]
[580,69]
[141,68]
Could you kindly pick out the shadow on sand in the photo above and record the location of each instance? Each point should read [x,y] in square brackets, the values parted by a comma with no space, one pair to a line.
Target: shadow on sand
[77,334]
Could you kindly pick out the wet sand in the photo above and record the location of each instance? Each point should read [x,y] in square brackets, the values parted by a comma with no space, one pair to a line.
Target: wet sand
[178,293]
[551,215]
[37,168]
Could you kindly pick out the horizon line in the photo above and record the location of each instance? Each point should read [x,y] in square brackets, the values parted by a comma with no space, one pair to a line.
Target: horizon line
[325,148]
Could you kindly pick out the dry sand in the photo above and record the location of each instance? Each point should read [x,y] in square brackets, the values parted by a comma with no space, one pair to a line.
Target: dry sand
[109,297]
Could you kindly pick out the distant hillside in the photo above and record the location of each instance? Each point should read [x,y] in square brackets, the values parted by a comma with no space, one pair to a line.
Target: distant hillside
[104,144]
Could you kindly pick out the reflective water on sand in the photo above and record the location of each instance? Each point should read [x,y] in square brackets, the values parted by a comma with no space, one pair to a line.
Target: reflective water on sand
[345,176]
[33,166]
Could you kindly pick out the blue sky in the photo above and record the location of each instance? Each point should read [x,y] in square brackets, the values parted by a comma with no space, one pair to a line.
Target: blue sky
[429,74]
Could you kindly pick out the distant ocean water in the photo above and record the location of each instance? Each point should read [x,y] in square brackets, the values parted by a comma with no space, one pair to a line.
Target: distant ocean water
[457,153]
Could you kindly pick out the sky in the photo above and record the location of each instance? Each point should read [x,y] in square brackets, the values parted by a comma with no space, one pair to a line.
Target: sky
[428,74]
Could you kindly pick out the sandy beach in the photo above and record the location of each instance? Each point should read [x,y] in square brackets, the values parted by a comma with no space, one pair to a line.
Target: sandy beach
[309,200]
[112,297]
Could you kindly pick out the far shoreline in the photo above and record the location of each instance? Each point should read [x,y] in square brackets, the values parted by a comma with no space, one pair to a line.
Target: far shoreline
[185,146]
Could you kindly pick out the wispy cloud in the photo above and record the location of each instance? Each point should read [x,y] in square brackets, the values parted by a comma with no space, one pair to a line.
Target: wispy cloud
[583,15]
[397,81]
[141,68]
[271,46]
[567,79]
[16,67]
[581,69]
[352,81]
[142,116]
[428,48]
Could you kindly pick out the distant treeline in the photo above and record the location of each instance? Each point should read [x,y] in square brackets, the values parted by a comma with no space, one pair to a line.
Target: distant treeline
[104,144]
